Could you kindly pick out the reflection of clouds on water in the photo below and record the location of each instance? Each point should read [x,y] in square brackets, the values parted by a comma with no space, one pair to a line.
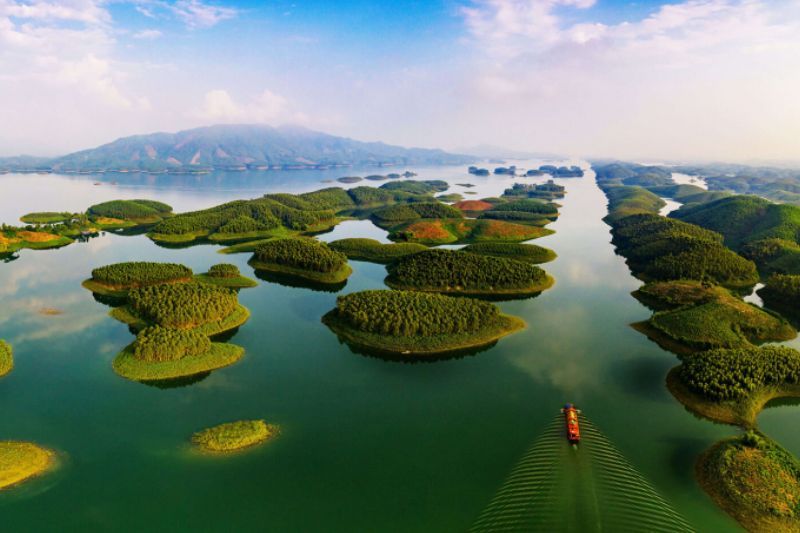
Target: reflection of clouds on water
[61,326]
[26,313]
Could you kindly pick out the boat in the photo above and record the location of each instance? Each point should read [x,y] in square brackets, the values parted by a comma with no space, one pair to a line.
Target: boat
[571,421]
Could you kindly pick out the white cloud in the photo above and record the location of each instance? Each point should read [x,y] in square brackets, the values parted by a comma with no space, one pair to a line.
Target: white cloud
[197,14]
[700,78]
[267,107]
[147,34]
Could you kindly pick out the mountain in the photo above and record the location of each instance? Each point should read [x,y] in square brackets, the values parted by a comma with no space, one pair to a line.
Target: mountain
[242,146]
[488,151]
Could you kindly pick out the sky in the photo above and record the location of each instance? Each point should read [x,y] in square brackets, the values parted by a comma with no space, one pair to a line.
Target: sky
[699,80]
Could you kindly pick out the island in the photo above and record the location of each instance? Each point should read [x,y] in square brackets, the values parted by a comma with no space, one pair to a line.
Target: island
[392,215]
[529,253]
[128,213]
[349,179]
[449,271]
[209,309]
[6,358]
[733,385]
[21,461]
[234,436]
[465,231]
[360,249]
[117,279]
[226,275]
[46,217]
[782,293]
[409,323]
[754,480]
[303,258]
[160,353]
[698,316]
[525,211]
[450,198]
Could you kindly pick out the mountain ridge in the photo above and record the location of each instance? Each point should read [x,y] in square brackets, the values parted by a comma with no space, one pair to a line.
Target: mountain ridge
[234,147]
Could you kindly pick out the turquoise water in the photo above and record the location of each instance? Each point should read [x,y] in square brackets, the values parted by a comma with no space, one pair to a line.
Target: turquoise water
[366,444]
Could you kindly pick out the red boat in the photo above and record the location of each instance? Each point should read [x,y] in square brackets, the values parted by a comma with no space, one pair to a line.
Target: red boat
[571,420]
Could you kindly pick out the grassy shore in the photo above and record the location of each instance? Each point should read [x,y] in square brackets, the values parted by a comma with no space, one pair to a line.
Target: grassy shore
[420,345]
[375,251]
[220,355]
[235,282]
[234,436]
[337,276]
[118,291]
[20,461]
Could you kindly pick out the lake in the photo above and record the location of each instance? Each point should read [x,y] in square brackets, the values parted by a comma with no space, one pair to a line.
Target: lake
[366,444]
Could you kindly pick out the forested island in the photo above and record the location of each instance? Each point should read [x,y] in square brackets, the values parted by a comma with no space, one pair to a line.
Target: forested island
[360,249]
[234,436]
[21,461]
[411,323]
[302,258]
[457,272]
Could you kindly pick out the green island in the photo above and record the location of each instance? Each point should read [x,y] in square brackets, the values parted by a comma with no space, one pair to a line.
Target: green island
[46,217]
[456,272]
[412,323]
[303,258]
[548,191]
[733,385]
[465,231]
[13,239]
[524,211]
[128,213]
[234,436]
[360,249]
[660,248]
[754,480]
[529,253]
[118,279]
[160,353]
[21,461]
[697,316]
[6,358]
[226,275]
[450,198]
[209,309]
[394,214]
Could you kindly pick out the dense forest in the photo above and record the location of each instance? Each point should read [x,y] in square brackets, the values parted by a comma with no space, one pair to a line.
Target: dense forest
[447,270]
[157,344]
[130,209]
[722,375]
[139,273]
[184,305]
[529,253]
[403,313]
[395,214]
[224,270]
[371,250]
[305,254]
[783,290]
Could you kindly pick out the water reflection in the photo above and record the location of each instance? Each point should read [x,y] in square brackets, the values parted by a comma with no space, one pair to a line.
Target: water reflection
[176,383]
[287,280]
[414,359]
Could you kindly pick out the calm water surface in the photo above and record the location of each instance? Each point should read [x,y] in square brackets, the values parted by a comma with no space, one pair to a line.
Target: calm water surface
[366,444]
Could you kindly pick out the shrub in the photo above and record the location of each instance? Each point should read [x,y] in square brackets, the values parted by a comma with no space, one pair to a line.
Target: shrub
[6,358]
[158,344]
[234,435]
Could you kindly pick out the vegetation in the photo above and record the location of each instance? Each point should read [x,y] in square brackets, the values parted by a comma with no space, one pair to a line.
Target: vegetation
[226,275]
[47,217]
[6,358]
[218,355]
[138,274]
[547,191]
[626,201]
[395,214]
[233,436]
[455,231]
[450,198]
[224,270]
[374,251]
[659,248]
[466,273]
[183,306]
[709,317]
[20,461]
[306,258]
[473,205]
[156,344]
[416,187]
[773,255]
[414,323]
[529,253]
[755,480]
[144,211]
[782,292]
[13,239]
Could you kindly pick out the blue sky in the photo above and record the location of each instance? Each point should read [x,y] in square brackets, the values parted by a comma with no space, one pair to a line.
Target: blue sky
[693,79]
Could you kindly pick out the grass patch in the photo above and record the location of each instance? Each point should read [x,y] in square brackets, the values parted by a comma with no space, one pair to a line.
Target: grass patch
[754,480]
[218,356]
[236,282]
[234,436]
[6,358]
[20,461]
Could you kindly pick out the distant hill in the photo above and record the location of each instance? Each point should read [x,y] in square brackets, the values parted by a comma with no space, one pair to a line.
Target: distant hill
[237,147]
[488,151]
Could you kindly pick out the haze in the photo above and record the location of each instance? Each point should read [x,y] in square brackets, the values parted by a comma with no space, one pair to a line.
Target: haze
[700,79]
